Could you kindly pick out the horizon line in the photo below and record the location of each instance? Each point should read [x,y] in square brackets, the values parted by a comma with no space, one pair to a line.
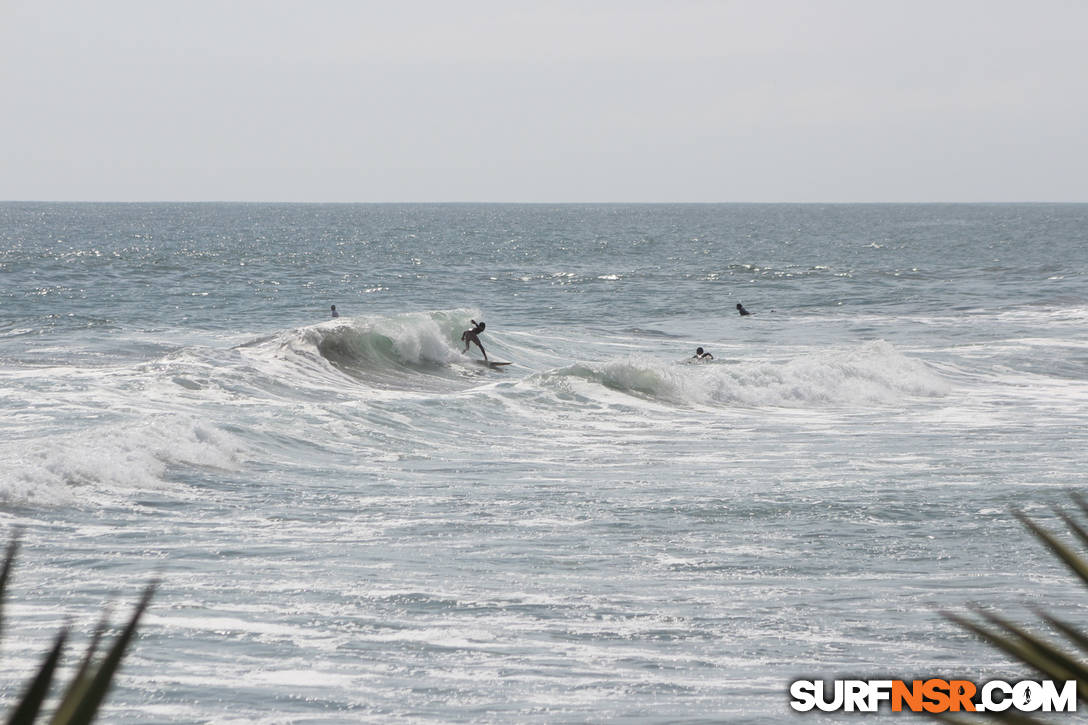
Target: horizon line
[528,203]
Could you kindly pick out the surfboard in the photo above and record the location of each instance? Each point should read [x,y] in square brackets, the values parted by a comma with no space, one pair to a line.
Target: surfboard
[492,365]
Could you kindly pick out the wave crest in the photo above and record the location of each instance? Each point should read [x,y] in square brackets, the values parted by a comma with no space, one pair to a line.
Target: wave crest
[379,351]
[873,373]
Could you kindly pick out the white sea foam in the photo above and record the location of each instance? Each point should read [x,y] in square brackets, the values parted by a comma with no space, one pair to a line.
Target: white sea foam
[114,459]
[872,373]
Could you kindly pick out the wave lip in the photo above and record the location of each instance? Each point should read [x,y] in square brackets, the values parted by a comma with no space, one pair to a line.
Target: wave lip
[407,340]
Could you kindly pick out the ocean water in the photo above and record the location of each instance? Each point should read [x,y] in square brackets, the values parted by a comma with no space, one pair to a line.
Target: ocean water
[354,522]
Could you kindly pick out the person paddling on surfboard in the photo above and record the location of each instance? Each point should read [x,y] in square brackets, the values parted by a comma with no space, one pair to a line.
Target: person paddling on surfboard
[471,336]
[700,355]
[743,312]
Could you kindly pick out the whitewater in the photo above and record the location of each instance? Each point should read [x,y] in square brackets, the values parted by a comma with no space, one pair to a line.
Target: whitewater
[353,521]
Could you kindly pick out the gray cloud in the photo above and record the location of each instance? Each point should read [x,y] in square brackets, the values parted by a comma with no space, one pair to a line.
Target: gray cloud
[560,101]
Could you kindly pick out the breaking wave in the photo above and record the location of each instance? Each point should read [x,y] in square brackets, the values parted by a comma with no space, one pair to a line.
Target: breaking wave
[873,373]
[381,351]
[105,465]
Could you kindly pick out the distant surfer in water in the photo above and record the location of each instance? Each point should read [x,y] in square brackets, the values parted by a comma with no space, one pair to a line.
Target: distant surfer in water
[700,355]
[334,312]
[472,336]
[741,310]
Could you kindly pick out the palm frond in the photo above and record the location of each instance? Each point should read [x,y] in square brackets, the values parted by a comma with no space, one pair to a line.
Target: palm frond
[1072,524]
[1071,558]
[83,706]
[5,574]
[91,683]
[1074,635]
[1022,643]
[31,701]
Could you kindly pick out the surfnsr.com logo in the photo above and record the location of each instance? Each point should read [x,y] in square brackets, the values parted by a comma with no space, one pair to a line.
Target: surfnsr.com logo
[934,696]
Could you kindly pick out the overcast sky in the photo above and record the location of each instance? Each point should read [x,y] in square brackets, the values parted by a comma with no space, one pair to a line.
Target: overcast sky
[547,101]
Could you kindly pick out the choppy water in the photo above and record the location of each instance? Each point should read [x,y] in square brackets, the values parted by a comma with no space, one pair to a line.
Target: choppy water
[355,523]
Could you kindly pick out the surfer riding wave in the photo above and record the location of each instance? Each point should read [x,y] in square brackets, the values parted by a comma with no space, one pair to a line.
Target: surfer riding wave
[472,335]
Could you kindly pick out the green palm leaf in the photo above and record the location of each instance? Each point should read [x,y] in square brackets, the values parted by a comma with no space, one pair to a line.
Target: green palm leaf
[82,703]
[1064,552]
[91,683]
[5,573]
[1074,635]
[81,679]
[1073,525]
[31,701]
[1052,661]
[1026,646]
